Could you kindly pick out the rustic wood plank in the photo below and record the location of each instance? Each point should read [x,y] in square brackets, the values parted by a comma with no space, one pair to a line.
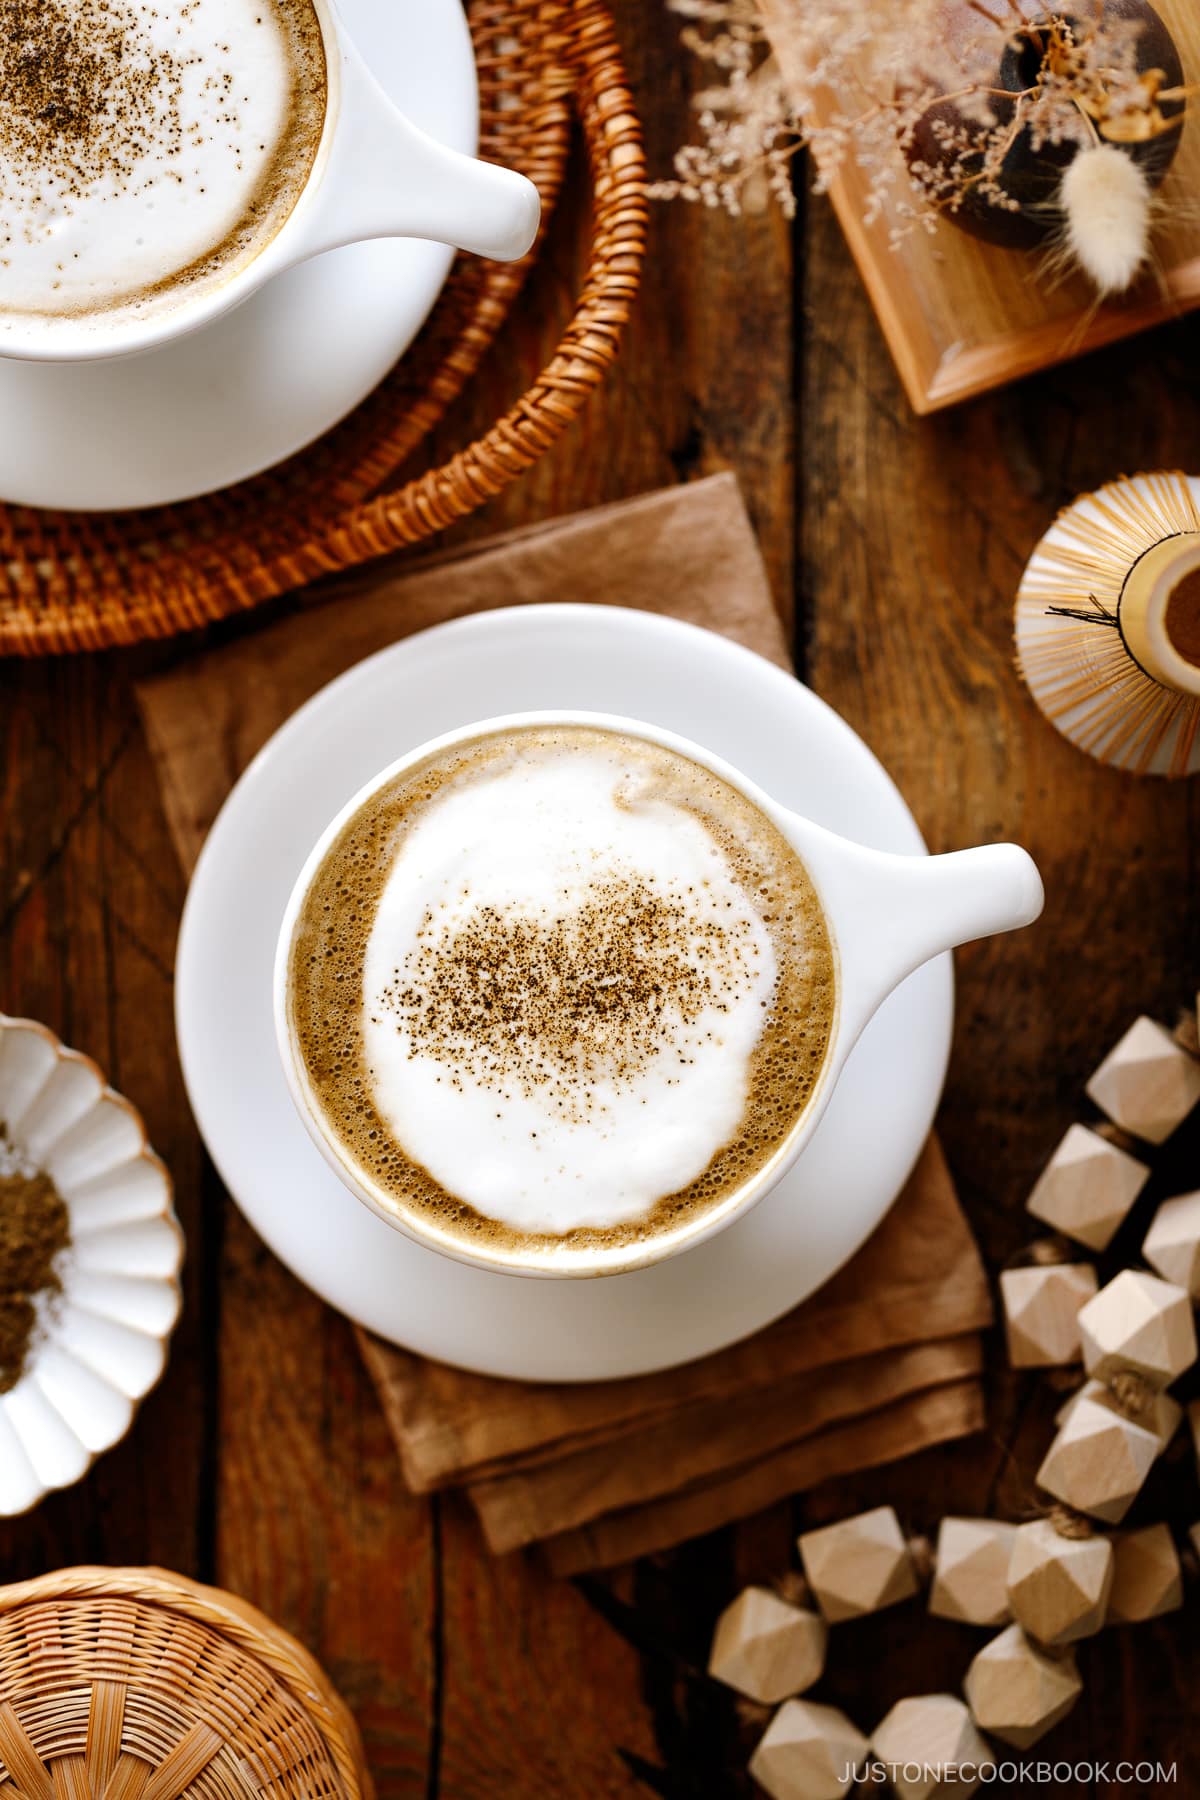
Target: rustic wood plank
[913,536]
[313,1521]
[89,902]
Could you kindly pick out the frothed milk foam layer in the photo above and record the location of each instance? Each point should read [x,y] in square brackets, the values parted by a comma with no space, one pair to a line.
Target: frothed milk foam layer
[560,984]
[148,150]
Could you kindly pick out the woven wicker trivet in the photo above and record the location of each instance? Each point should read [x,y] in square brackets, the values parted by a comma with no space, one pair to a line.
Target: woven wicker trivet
[83,581]
[135,1684]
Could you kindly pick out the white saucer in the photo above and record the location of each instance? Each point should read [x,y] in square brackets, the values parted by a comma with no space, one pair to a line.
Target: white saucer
[261,383]
[604,659]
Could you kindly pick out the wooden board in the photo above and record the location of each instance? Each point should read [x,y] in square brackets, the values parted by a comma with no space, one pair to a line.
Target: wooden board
[961,317]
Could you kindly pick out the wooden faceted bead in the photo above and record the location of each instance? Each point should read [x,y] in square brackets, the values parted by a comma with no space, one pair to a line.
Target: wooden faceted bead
[1172,1243]
[1162,1415]
[808,1752]
[1017,1692]
[858,1565]
[1057,1585]
[1098,1461]
[1148,1084]
[970,1577]
[1194,1427]
[930,1748]
[766,1648]
[1087,1188]
[1041,1309]
[1138,1324]
[1147,1577]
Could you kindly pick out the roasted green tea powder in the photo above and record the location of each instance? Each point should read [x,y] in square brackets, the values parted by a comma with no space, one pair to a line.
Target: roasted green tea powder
[34,1229]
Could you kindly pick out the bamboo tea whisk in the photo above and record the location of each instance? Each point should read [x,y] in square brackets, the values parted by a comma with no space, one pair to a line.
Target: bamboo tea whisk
[1108,624]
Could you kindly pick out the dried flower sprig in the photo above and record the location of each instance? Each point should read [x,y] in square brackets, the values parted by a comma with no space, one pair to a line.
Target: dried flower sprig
[915,106]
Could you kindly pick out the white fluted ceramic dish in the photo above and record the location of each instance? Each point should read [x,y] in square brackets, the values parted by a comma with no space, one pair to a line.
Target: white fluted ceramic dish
[102,1343]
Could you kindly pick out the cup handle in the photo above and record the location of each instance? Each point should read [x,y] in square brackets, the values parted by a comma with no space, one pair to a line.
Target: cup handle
[387,178]
[890,914]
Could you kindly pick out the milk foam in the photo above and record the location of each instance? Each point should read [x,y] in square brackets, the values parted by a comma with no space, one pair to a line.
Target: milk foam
[165,154]
[549,878]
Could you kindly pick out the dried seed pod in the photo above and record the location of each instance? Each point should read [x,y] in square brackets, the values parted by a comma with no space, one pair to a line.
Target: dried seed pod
[949,140]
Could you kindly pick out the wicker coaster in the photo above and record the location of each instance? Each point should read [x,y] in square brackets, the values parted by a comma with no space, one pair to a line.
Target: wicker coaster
[86,582]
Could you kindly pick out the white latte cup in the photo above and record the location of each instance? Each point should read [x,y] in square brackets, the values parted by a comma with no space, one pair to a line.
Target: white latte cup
[886,915]
[375,175]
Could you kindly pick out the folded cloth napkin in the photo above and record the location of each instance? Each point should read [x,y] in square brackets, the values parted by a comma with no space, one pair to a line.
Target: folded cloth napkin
[882,1361]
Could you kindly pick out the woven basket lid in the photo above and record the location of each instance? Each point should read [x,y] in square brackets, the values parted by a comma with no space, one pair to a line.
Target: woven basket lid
[135,1684]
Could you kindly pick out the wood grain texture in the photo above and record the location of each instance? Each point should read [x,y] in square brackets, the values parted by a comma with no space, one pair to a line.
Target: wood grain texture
[913,534]
[901,542]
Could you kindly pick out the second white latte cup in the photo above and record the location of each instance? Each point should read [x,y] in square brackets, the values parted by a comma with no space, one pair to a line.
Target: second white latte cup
[375,175]
[886,915]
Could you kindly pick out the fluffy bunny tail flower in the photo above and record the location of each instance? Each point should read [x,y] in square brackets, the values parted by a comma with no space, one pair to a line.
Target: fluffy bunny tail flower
[1106,210]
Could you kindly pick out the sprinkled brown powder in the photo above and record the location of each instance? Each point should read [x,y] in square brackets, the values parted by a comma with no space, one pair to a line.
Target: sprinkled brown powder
[553,1003]
[84,93]
[34,1229]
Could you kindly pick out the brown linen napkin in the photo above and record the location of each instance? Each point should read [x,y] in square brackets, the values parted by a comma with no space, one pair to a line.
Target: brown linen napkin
[936,1416]
[917,1280]
[881,1362]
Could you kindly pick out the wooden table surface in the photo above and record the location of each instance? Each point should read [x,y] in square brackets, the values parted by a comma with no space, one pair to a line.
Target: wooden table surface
[262,1462]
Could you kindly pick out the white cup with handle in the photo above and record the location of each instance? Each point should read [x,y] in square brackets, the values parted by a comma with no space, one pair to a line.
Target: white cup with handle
[886,915]
[375,175]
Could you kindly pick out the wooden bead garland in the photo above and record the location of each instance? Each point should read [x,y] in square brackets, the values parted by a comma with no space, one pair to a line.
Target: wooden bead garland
[970,1576]
[808,1752]
[1172,1243]
[925,1735]
[1041,1311]
[1139,1324]
[859,1565]
[1087,1188]
[1147,1576]
[1160,1414]
[1099,1460]
[1058,1578]
[1017,1692]
[767,1649]
[1147,1084]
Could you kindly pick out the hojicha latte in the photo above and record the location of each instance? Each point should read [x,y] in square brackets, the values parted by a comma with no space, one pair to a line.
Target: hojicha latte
[559,984]
[148,151]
